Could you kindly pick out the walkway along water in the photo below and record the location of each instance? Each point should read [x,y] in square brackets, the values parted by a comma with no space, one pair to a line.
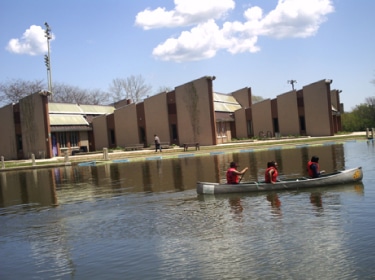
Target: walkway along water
[117,156]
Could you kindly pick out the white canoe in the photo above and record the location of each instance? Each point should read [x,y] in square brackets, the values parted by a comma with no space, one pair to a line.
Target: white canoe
[336,178]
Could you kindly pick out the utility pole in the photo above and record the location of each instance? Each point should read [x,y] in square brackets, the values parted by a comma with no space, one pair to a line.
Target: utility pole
[47,57]
[292,82]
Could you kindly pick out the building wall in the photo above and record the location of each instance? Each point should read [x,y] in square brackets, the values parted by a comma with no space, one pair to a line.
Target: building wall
[288,113]
[84,139]
[243,96]
[156,113]
[262,117]
[8,144]
[172,116]
[122,103]
[111,131]
[241,123]
[100,129]
[126,126]
[318,109]
[335,99]
[195,112]
[34,137]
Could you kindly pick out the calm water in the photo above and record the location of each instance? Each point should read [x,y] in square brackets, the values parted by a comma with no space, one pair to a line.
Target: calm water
[144,220]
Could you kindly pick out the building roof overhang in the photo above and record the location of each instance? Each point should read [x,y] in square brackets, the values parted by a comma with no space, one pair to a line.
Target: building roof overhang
[65,128]
[64,119]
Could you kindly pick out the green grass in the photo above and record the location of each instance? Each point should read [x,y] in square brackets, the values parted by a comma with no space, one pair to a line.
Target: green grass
[249,143]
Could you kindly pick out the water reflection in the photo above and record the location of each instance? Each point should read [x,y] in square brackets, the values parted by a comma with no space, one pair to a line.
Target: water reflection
[145,220]
[274,202]
[274,199]
[316,199]
[47,187]
[236,208]
[28,188]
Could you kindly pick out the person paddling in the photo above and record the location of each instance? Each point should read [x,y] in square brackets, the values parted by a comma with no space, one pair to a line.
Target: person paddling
[313,167]
[233,173]
[271,173]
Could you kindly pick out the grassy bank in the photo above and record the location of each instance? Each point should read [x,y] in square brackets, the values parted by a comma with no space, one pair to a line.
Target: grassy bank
[118,154]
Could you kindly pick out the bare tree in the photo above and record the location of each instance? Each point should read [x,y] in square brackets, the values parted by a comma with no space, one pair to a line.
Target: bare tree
[12,91]
[98,97]
[117,90]
[164,89]
[63,93]
[133,87]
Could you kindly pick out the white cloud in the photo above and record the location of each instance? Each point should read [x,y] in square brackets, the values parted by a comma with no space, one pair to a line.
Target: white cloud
[295,18]
[199,43]
[32,42]
[185,13]
[290,18]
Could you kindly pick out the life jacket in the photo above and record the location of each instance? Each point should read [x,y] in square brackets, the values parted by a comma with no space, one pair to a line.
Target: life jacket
[274,175]
[232,177]
[310,171]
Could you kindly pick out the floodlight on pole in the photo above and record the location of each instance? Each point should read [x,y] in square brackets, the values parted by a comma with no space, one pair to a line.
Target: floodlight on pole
[292,82]
[46,62]
[47,57]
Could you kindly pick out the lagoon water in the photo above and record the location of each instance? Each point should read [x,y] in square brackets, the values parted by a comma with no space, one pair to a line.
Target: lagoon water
[144,220]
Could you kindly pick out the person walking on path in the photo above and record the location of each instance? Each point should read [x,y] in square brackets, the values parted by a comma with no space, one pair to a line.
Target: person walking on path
[157,143]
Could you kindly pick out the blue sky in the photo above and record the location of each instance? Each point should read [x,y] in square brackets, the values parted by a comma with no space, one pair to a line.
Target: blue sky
[257,43]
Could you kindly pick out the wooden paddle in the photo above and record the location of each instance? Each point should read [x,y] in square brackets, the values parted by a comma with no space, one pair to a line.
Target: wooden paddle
[241,178]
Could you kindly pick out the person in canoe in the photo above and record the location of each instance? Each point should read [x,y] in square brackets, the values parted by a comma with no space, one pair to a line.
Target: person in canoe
[313,167]
[233,173]
[270,176]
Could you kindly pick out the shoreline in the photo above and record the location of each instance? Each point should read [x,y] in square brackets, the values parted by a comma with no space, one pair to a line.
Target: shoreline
[117,156]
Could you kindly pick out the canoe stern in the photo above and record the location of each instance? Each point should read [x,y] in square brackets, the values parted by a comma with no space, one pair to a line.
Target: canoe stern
[206,188]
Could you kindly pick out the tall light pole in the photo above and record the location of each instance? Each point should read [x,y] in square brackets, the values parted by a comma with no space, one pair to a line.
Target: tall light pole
[292,82]
[47,57]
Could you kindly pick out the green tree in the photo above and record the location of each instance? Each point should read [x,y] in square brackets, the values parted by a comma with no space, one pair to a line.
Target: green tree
[256,98]
[361,117]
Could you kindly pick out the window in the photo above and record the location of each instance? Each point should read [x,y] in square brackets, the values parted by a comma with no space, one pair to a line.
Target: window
[112,137]
[221,129]
[302,123]
[249,128]
[62,140]
[276,124]
[174,132]
[19,142]
[74,139]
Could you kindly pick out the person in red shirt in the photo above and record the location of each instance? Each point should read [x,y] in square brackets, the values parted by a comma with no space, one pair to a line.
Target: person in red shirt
[270,176]
[233,173]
